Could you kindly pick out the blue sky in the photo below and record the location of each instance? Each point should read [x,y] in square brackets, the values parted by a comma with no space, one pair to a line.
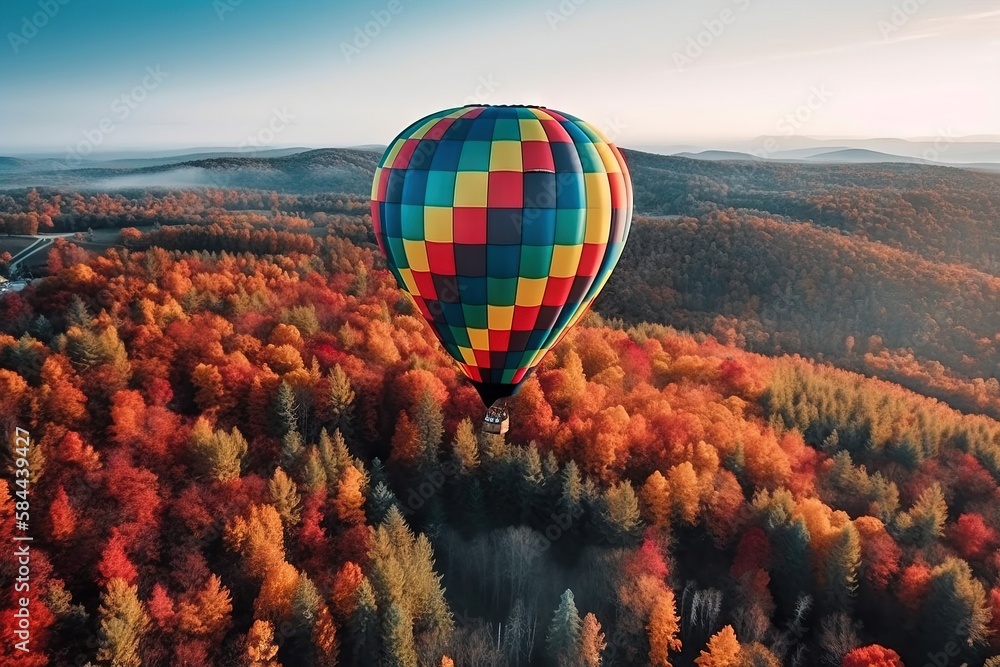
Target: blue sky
[664,72]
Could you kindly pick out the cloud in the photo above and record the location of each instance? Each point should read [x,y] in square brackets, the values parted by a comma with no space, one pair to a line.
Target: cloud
[978,16]
[920,29]
[814,53]
[959,24]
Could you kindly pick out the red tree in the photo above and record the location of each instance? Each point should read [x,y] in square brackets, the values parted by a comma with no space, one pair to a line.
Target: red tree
[971,537]
[872,656]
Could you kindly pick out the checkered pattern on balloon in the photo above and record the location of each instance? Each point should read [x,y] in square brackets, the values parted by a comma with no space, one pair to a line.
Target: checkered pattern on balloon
[502,223]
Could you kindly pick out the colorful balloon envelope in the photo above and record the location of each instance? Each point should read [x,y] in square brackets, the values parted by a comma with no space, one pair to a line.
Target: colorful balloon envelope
[502,223]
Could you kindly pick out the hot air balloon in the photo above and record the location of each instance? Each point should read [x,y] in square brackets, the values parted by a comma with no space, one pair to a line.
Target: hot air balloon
[503,223]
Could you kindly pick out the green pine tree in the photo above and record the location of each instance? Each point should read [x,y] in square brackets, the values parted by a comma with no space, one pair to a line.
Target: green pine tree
[217,455]
[285,497]
[955,608]
[619,519]
[379,502]
[397,633]
[363,627]
[339,409]
[292,450]
[77,313]
[429,421]
[284,410]
[842,563]
[927,517]
[562,643]
[313,473]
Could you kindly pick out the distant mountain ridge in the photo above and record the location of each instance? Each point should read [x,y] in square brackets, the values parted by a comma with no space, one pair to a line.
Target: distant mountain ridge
[832,155]
[318,170]
[350,170]
[946,148]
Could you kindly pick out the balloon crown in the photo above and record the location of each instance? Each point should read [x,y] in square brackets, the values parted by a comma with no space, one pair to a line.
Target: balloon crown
[509,106]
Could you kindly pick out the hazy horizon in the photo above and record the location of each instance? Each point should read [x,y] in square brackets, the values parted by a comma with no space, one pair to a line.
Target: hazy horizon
[109,75]
[708,143]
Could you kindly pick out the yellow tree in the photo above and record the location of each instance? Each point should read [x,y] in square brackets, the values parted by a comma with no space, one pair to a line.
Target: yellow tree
[350,499]
[663,627]
[723,650]
[684,492]
[465,449]
[259,649]
[123,624]
[258,537]
[654,498]
[206,612]
[276,591]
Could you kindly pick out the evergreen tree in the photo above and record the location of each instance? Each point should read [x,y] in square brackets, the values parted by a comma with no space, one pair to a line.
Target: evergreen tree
[379,502]
[562,643]
[842,563]
[306,603]
[465,448]
[429,423]
[77,313]
[474,515]
[363,627]
[83,348]
[377,474]
[529,487]
[292,450]
[618,519]
[339,408]
[397,633]
[790,543]
[284,411]
[955,608]
[313,473]
[925,521]
[571,494]
[334,456]
[285,497]
[218,455]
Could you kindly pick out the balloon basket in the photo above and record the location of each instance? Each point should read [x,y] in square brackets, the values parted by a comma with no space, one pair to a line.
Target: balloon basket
[497,419]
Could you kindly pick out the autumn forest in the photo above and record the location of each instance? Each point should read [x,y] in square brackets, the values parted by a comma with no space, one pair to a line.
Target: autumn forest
[773,442]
